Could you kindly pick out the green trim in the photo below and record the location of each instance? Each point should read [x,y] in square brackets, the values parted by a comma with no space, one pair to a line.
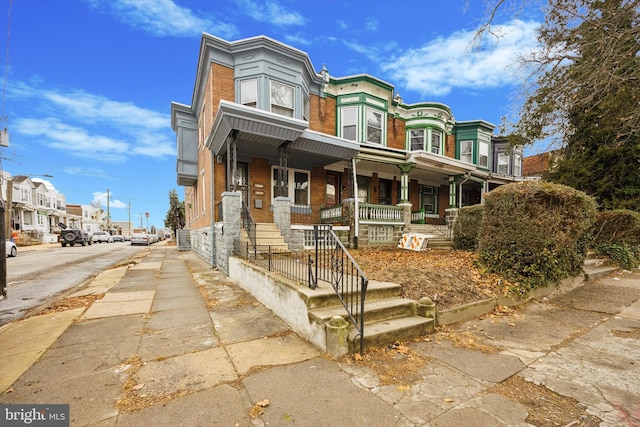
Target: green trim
[362,99]
[438,105]
[361,78]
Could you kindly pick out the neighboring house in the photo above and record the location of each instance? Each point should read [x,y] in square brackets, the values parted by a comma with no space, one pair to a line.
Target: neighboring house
[125,227]
[89,217]
[537,165]
[37,209]
[264,123]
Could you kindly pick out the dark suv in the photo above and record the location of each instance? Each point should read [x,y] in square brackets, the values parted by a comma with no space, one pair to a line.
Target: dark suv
[71,236]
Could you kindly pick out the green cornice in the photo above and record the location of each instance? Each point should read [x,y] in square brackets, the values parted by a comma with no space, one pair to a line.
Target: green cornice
[361,78]
[427,105]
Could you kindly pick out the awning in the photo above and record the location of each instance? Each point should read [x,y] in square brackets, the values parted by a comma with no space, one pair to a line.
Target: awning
[259,133]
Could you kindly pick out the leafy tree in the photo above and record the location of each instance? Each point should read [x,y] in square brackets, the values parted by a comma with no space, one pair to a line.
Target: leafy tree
[175,217]
[584,91]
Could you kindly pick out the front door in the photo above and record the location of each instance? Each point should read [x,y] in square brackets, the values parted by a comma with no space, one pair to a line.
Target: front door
[242,181]
[332,192]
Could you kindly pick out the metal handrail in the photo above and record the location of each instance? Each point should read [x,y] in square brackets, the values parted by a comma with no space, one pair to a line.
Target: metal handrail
[335,265]
[249,225]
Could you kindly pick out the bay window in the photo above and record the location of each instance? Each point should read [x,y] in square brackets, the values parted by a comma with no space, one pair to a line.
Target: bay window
[374,126]
[436,142]
[349,120]
[466,151]
[503,163]
[416,137]
[483,154]
[282,99]
[249,92]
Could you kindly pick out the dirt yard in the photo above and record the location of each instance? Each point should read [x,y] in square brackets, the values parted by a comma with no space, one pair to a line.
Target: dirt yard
[449,278]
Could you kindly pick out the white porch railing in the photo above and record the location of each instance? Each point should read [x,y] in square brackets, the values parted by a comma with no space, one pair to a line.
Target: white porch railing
[372,214]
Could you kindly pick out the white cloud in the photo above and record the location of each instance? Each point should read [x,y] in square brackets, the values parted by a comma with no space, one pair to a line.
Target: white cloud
[46,183]
[163,18]
[297,39]
[92,126]
[270,11]
[446,63]
[371,24]
[99,196]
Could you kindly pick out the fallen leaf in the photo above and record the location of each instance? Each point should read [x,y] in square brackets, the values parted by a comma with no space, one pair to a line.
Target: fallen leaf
[511,324]
[137,387]
[448,400]
[263,403]
[357,357]
[403,388]
[9,390]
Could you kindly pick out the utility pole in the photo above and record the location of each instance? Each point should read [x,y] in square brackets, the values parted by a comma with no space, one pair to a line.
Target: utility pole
[129,222]
[108,213]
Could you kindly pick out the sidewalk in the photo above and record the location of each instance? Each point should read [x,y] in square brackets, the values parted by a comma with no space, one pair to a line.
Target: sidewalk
[173,342]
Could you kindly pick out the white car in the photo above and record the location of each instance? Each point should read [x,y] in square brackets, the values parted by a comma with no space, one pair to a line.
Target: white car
[102,236]
[140,239]
[12,249]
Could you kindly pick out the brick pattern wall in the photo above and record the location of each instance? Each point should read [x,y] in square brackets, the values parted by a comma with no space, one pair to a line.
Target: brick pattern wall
[450,146]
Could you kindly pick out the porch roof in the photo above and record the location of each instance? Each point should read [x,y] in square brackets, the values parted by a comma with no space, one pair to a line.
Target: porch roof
[259,133]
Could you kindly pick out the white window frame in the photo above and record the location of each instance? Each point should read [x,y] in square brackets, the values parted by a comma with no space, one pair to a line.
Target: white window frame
[517,165]
[439,134]
[347,121]
[370,125]
[275,102]
[483,154]
[415,138]
[466,156]
[503,163]
[291,189]
[249,92]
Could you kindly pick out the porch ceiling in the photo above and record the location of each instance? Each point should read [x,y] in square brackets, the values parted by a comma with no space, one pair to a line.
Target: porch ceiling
[259,134]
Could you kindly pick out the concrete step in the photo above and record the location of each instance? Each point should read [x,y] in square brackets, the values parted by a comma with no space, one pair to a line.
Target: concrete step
[595,273]
[325,296]
[386,332]
[375,310]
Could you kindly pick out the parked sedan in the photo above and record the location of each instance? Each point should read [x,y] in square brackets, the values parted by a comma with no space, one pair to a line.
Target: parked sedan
[117,238]
[140,239]
[102,236]
[12,249]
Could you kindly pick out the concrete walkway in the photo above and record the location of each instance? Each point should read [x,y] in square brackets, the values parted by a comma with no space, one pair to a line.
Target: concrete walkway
[173,342]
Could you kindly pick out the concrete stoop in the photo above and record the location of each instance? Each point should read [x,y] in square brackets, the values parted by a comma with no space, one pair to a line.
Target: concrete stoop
[267,234]
[438,242]
[388,316]
[312,313]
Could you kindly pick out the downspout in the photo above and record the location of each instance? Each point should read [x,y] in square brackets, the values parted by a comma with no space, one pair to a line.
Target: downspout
[460,189]
[213,212]
[356,230]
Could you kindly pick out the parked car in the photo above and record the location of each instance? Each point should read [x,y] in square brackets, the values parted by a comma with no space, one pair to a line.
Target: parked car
[127,238]
[12,249]
[71,236]
[117,238]
[140,239]
[102,236]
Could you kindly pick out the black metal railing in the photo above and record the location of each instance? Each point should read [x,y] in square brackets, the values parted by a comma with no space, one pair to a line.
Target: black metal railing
[294,266]
[249,225]
[335,265]
[329,262]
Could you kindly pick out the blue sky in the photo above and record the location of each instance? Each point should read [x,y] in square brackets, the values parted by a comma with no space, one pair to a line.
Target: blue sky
[88,83]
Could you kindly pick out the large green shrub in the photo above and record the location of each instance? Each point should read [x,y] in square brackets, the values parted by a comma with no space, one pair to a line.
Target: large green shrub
[535,233]
[466,228]
[616,234]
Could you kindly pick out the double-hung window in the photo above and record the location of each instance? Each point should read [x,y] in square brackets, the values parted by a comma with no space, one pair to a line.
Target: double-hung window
[517,165]
[249,92]
[483,154]
[503,163]
[416,137]
[282,99]
[466,151]
[436,142]
[349,122]
[296,185]
[374,126]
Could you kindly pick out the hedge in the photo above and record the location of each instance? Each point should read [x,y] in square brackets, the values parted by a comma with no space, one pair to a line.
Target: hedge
[535,233]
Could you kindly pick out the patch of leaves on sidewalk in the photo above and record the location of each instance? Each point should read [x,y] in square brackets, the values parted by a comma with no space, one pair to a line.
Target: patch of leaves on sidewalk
[133,395]
[546,408]
[450,278]
[70,303]
[395,364]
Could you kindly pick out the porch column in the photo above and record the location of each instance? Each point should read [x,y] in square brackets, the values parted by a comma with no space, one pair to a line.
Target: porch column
[404,181]
[232,224]
[231,161]
[452,192]
[282,216]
